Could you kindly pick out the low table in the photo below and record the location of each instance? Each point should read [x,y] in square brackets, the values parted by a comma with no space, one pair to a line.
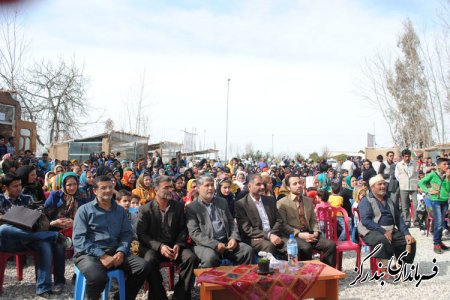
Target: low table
[325,288]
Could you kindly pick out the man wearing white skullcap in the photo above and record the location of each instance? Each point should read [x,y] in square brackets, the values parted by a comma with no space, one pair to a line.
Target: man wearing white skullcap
[381,223]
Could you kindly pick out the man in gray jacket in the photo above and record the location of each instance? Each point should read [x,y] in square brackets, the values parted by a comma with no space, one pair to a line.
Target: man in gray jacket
[212,228]
[381,223]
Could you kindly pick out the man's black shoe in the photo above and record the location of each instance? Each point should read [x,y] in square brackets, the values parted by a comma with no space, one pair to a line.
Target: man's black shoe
[444,247]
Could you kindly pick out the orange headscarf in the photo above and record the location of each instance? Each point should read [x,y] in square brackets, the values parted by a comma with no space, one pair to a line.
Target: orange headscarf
[126,178]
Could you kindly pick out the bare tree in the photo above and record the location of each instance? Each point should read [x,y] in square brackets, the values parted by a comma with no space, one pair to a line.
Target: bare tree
[137,108]
[12,50]
[56,94]
[52,93]
[109,125]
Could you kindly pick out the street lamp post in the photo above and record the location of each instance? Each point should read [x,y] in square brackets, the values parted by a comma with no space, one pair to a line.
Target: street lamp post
[273,154]
[226,132]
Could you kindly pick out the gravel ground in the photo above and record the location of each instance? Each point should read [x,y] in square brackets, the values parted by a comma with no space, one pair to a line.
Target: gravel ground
[438,286]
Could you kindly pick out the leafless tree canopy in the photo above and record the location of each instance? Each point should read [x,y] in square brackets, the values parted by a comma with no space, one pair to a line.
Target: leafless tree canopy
[52,92]
[137,106]
[55,92]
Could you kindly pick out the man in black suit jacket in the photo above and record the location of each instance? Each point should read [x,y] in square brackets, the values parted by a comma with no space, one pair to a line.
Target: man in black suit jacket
[258,219]
[161,231]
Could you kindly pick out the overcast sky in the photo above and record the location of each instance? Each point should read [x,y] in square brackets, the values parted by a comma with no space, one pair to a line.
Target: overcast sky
[294,65]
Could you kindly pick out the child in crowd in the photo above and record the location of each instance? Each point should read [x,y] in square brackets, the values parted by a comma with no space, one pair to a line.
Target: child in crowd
[135,203]
[358,193]
[338,201]
[322,202]
[124,199]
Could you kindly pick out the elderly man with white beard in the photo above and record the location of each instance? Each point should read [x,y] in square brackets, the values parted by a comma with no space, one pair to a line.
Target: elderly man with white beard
[381,223]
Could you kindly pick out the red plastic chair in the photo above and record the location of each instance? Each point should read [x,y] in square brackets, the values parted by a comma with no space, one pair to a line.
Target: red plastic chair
[373,260]
[20,258]
[329,217]
[172,268]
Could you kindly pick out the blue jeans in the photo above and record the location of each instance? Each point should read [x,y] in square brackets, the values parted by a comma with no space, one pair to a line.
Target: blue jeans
[341,227]
[13,239]
[439,210]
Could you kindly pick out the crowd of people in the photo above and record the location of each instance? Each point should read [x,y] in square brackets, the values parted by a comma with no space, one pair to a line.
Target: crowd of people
[133,215]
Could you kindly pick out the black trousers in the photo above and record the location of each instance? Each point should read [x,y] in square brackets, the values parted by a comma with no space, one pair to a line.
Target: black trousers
[396,247]
[186,260]
[326,246]
[135,268]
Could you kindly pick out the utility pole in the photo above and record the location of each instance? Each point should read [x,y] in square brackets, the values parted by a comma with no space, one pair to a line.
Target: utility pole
[226,132]
[273,154]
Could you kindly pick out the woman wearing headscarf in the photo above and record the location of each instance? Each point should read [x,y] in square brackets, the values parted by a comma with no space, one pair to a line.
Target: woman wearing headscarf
[368,171]
[58,169]
[128,180]
[223,191]
[240,179]
[30,184]
[61,206]
[48,180]
[86,187]
[192,192]
[349,183]
[118,179]
[189,174]
[144,188]
[179,192]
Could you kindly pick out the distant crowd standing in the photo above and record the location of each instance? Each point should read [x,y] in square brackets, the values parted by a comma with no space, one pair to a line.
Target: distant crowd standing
[133,215]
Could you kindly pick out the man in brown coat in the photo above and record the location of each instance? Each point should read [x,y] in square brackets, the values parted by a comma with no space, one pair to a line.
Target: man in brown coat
[297,211]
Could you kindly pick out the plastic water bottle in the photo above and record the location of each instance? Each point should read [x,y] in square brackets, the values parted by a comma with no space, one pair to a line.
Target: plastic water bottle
[292,251]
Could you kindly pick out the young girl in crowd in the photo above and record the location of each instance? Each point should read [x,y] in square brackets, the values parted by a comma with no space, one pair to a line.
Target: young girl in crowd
[338,201]
[192,192]
[358,193]
[144,188]
[322,202]
[128,180]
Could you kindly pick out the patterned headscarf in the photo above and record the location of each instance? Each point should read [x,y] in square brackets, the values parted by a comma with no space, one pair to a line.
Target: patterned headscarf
[70,199]
[126,177]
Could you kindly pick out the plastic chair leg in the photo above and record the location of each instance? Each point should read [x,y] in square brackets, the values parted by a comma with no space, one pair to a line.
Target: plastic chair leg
[3,261]
[20,261]
[80,285]
[120,277]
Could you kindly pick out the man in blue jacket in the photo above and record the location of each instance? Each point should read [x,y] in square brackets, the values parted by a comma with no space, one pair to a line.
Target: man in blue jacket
[101,237]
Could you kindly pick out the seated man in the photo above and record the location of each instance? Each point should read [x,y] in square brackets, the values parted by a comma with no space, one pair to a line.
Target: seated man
[101,237]
[212,228]
[297,211]
[381,223]
[162,234]
[50,245]
[258,220]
